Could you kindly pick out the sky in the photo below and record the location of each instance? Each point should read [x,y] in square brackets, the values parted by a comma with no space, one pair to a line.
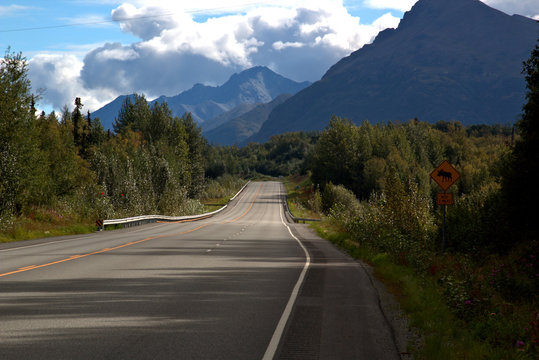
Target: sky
[100,49]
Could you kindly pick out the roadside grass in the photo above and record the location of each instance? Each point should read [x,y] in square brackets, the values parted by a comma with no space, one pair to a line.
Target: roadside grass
[215,203]
[42,223]
[443,336]
[300,190]
[489,328]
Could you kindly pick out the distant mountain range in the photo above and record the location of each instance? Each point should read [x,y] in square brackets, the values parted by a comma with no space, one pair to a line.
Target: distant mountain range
[447,60]
[213,106]
[239,128]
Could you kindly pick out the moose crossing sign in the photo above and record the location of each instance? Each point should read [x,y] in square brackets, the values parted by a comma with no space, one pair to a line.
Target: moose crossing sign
[445,175]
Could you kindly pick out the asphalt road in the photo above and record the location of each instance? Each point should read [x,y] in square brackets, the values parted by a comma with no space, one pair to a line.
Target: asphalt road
[243,284]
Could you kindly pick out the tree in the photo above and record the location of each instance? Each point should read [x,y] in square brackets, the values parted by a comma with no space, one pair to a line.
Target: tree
[19,154]
[133,114]
[519,182]
[338,156]
[78,126]
[196,144]
[160,122]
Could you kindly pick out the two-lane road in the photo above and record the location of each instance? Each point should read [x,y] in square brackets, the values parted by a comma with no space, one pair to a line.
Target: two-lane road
[217,288]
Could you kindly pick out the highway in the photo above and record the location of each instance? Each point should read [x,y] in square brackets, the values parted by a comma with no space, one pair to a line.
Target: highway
[244,284]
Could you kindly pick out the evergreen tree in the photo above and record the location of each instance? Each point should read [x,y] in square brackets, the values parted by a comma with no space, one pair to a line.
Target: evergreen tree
[196,144]
[125,116]
[134,115]
[519,185]
[20,158]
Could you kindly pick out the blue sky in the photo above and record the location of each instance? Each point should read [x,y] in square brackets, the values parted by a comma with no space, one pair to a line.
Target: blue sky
[37,26]
[99,49]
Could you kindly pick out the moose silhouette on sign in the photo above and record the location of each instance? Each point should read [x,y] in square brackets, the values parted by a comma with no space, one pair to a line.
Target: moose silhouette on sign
[445,175]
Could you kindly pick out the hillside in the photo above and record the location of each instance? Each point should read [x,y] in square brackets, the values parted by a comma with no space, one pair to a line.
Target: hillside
[252,86]
[447,60]
[237,130]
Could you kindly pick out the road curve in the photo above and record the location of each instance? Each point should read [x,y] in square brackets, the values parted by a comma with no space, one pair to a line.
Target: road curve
[218,288]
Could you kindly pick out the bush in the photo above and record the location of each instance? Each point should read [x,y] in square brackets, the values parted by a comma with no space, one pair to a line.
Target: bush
[338,195]
[473,224]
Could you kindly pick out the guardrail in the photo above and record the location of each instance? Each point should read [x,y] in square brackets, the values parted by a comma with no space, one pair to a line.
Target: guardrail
[295,219]
[146,219]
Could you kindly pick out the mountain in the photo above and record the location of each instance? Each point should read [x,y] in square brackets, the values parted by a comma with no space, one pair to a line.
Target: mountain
[237,130]
[256,85]
[447,60]
[227,116]
[109,112]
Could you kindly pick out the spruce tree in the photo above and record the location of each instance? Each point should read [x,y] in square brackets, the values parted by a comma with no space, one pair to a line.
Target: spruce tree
[519,183]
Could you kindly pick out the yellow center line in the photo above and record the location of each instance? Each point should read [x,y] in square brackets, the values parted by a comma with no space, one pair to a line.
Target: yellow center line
[73,257]
[246,211]
[182,221]
[28,267]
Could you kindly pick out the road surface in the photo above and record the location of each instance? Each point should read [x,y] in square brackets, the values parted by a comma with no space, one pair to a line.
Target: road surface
[244,284]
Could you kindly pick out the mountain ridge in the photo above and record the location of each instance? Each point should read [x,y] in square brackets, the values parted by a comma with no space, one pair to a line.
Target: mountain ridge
[258,84]
[240,128]
[458,60]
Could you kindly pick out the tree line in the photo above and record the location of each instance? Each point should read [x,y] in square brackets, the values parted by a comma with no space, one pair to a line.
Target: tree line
[152,163]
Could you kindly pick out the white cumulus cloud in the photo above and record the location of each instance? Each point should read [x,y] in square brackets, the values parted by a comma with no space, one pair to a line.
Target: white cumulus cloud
[522,7]
[402,5]
[528,8]
[299,39]
[59,76]
[205,41]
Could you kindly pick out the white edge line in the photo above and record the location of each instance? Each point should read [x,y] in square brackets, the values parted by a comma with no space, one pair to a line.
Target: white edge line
[278,333]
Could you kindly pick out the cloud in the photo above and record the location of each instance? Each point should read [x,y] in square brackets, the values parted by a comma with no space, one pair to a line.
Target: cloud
[183,43]
[300,43]
[522,7]
[299,39]
[59,76]
[12,9]
[402,5]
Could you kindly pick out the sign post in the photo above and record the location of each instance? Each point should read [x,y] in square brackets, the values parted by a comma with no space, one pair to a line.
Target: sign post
[99,223]
[444,175]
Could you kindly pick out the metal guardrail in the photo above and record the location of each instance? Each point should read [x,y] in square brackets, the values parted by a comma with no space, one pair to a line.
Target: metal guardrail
[239,192]
[295,219]
[146,219]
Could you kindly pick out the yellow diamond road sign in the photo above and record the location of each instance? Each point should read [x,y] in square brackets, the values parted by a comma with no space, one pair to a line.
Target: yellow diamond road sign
[445,175]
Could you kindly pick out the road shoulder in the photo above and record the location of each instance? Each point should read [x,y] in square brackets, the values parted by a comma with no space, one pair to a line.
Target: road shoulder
[342,310]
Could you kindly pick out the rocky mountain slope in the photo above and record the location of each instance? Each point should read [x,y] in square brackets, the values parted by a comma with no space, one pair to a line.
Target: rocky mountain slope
[252,86]
[447,60]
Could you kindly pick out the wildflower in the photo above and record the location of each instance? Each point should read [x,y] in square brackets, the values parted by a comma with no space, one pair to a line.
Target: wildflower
[468,302]
[520,344]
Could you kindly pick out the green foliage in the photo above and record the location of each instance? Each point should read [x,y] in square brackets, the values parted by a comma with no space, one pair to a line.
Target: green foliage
[21,166]
[338,196]
[282,155]
[362,157]
[154,164]
[522,169]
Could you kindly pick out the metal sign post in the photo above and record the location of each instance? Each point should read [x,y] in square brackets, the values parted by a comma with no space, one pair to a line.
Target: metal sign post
[444,175]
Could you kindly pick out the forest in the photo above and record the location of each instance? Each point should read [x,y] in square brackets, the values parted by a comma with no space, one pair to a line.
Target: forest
[370,182]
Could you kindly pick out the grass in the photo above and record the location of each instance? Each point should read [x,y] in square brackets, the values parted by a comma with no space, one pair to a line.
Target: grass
[300,189]
[444,335]
[215,204]
[42,223]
